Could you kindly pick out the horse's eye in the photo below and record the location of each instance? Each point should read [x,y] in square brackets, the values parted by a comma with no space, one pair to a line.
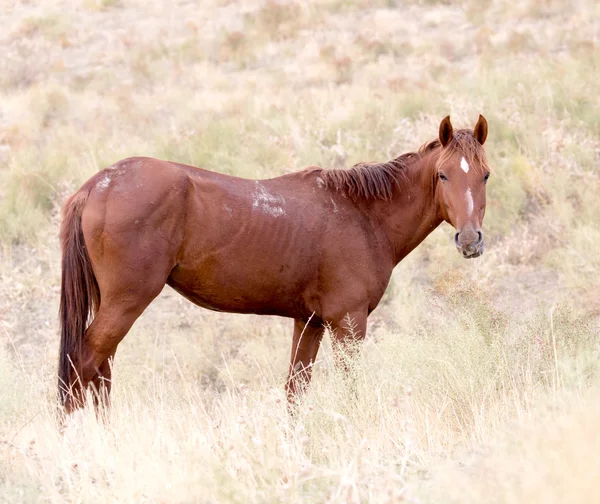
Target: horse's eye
[443,177]
[485,179]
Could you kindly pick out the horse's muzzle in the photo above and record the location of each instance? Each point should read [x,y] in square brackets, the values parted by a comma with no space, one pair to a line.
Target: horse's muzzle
[469,243]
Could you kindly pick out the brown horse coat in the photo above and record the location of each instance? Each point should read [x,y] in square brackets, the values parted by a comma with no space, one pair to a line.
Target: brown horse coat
[317,246]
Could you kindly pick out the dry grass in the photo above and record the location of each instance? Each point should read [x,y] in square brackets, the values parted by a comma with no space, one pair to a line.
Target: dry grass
[479,382]
[433,404]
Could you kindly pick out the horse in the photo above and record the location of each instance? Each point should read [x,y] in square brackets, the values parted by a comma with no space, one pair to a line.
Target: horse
[317,246]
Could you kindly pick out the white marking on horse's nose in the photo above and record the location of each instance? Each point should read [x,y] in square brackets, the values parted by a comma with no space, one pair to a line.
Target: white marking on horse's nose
[464,165]
[469,198]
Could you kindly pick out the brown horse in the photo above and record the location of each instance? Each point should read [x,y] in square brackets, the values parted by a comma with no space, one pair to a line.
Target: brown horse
[317,246]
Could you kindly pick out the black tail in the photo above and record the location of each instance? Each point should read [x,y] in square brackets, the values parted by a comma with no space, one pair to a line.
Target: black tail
[79,293]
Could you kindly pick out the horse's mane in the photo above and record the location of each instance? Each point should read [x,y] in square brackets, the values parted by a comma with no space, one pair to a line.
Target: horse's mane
[374,180]
[377,180]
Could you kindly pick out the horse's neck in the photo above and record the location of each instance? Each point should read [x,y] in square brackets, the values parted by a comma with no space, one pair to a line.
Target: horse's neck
[413,212]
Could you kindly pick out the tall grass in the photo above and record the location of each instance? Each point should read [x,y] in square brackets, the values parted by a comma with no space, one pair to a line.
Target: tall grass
[454,388]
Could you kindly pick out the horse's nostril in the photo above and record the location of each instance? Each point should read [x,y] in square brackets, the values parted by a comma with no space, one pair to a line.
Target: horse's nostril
[469,243]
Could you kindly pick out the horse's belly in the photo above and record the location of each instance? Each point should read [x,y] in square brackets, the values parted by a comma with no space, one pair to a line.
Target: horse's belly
[239,291]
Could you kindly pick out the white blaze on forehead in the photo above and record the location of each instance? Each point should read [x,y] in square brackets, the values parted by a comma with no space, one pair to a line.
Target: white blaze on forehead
[464,165]
[469,198]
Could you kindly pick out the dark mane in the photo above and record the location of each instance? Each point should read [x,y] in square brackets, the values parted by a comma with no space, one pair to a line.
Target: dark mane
[377,180]
[374,180]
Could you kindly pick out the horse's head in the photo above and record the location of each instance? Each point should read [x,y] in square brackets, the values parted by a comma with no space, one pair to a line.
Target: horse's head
[463,171]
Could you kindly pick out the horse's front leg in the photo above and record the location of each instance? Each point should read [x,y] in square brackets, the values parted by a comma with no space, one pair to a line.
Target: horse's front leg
[347,334]
[305,345]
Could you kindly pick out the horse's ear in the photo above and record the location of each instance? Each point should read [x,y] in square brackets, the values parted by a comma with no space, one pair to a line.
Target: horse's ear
[446,131]
[481,129]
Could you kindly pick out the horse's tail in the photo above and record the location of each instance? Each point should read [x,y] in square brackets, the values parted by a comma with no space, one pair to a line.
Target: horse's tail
[79,292]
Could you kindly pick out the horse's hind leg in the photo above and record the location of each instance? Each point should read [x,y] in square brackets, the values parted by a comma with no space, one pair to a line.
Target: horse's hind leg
[125,292]
[110,325]
[102,382]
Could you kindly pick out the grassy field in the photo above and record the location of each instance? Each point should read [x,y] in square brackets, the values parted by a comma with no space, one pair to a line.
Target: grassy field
[479,381]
